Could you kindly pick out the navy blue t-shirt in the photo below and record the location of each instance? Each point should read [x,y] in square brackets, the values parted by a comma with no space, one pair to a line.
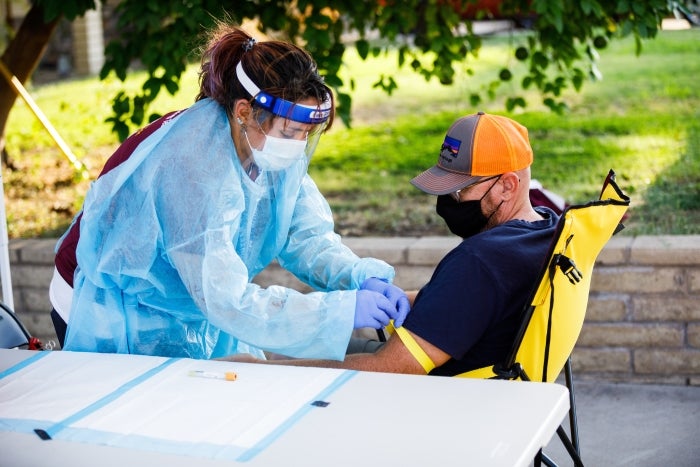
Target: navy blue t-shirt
[471,308]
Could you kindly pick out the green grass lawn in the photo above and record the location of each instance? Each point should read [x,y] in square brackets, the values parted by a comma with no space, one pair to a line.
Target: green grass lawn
[642,120]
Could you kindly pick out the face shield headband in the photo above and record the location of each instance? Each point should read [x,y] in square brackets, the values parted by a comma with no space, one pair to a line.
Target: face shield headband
[281,107]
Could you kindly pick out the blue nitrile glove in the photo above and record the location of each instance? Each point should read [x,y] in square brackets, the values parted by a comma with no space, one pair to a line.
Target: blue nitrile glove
[394,294]
[372,310]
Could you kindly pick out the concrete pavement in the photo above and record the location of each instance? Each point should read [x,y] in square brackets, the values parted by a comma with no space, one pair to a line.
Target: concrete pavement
[634,425]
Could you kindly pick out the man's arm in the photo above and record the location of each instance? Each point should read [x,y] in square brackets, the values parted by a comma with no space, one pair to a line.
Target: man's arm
[393,357]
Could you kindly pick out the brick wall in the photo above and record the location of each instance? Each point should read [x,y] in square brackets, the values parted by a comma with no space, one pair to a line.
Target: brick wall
[643,320]
[642,325]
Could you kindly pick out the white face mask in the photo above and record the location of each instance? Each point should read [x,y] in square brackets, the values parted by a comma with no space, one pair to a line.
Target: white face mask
[277,153]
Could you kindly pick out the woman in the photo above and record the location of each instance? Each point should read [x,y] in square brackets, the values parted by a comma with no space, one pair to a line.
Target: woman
[188,210]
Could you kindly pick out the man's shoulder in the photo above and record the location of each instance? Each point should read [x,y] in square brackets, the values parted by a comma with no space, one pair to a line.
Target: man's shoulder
[548,214]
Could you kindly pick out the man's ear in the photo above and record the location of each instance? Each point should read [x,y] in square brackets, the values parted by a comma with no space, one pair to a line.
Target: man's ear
[511,183]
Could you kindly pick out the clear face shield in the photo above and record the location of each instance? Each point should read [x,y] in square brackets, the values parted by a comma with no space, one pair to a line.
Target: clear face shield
[276,127]
[287,126]
[312,138]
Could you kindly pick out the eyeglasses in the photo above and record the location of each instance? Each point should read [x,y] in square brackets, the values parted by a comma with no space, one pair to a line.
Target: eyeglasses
[455,194]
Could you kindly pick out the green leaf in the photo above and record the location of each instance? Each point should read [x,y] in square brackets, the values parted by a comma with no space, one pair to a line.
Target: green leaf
[521,53]
[71,9]
[586,6]
[152,85]
[627,26]
[171,85]
[642,30]
[540,60]
[513,102]
[138,113]
[333,81]
[638,8]
[362,47]
[121,129]
[401,56]
[623,6]
[121,104]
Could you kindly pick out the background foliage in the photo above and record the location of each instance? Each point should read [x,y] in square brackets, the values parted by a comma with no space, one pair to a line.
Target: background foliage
[434,38]
[642,120]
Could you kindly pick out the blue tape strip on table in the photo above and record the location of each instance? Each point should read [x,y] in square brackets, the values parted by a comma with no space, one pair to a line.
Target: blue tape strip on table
[56,428]
[64,430]
[25,363]
[265,442]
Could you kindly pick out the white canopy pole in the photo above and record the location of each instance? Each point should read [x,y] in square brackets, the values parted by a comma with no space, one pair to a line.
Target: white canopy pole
[5,253]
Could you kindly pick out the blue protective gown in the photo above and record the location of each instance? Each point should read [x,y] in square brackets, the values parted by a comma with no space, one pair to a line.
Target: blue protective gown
[171,239]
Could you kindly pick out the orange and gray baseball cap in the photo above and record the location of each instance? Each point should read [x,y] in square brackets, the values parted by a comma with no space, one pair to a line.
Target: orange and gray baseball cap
[475,147]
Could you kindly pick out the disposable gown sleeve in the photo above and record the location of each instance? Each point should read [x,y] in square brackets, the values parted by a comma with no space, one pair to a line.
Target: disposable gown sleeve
[315,254]
[277,319]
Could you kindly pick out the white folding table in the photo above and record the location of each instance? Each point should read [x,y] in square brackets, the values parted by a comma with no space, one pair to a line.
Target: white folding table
[117,410]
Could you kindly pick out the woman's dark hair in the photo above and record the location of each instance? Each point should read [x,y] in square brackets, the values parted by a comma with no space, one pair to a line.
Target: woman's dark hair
[279,68]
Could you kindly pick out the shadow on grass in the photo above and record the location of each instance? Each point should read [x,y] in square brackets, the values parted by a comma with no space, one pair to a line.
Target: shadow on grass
[677,190]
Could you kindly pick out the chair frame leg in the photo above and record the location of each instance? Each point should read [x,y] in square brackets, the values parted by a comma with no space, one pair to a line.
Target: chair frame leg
[569,447]
[542,458]
[571,444]
[573,420]
[538,458]
[547,461]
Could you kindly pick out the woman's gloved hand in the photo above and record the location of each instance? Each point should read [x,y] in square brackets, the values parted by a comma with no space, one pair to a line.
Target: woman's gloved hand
[394,294]
[373,310]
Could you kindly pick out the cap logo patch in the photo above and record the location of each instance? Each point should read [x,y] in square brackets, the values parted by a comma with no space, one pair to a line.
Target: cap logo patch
[450,149]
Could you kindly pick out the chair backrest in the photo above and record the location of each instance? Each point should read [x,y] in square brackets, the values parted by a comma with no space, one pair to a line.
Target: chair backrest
[13,334]
[553,320]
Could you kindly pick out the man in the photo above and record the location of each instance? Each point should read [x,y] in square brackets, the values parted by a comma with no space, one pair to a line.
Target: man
[467,316]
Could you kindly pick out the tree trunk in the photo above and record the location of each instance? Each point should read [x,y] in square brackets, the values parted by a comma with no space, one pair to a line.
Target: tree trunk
[21,57]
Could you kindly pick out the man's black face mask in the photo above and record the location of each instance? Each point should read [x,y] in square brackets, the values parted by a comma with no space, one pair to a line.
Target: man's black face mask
[466,218]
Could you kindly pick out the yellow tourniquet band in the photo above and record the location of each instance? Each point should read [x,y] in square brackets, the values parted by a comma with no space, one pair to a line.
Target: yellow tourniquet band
[425,361]
[389,328]
[413,347]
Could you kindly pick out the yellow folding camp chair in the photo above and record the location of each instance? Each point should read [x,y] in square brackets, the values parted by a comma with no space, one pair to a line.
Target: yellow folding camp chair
[553,318]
